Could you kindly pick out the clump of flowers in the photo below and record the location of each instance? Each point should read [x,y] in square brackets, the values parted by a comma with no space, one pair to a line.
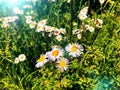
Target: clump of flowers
[88,25]
[42,27]
[57,55]
[83,13]
[7,20]
[20,58]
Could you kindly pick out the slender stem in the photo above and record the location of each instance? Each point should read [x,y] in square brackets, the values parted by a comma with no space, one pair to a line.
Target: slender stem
[13,69]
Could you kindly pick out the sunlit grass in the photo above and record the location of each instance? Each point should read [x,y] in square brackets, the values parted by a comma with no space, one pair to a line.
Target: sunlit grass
[86,55]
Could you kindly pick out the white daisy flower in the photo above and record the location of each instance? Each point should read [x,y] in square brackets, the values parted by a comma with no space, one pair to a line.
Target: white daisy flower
[54,29]
[41,61]
[57,32]
[62,30]
[62,64]
[77,31]
[84,10]
[101,1]
[22,57]
[82,16]
[98,23]
[28,19]
[16,10]
[83,13]
[16,60]
[48,28]
[86,26]
[42,22]
[91,29]
[74,50]
[55,53]
[59,37]
[68,1]
[32,24]
[50,34]
[39,28]
[79,36]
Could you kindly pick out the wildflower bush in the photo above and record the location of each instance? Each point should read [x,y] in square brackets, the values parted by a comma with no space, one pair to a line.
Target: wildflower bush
[60,45]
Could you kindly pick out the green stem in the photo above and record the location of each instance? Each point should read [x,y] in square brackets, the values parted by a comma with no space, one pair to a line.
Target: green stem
[12,52]
[71,21]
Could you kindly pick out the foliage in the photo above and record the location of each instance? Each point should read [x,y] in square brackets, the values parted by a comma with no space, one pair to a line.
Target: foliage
[97,67]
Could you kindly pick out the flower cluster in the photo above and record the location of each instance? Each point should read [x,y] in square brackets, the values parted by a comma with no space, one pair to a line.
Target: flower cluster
[21,58]
[42,27]
[82,16]
[83,13]
[7,20]
[57,53]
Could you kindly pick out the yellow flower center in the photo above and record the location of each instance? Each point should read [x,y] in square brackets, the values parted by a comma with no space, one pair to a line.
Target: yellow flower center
[22,57]
[42,58]
[28,20]
[55,53]
[63,63]
[83,16]
[32,24]
[59,38]
[42,22]
[39,27]
[63,30]
[74,48]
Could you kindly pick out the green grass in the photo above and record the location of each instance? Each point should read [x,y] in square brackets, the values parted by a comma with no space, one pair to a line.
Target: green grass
[98,68]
